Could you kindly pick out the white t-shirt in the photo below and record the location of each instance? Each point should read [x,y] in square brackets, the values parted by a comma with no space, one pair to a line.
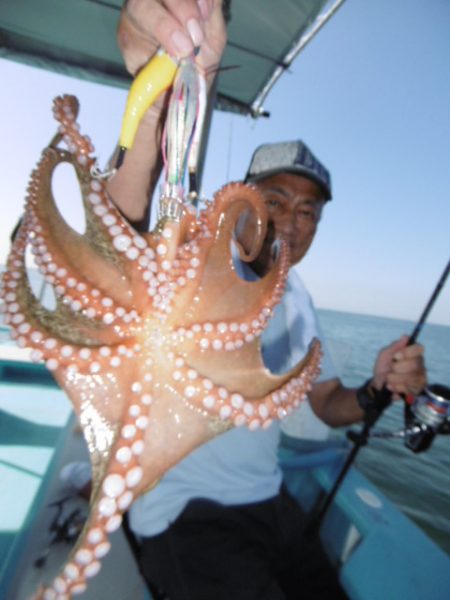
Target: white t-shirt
[240,466]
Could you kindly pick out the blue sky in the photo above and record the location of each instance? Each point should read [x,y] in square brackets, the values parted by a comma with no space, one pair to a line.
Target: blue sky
[370,95]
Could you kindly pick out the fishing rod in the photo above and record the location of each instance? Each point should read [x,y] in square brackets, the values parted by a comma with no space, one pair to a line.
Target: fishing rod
[433,408]
[429,306]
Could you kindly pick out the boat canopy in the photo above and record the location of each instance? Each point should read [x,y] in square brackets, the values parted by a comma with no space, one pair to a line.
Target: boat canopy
[77,38]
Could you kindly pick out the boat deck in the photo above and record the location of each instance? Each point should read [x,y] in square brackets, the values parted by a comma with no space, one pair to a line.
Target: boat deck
[38,436]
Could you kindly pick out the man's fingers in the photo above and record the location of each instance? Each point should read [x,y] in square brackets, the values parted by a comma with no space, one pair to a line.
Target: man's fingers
[145,26]
[136,48]
[135,35]
[416,350]
[408,365]
[398,383]
[205,7]
[190,17]
[176,25]
[396,346]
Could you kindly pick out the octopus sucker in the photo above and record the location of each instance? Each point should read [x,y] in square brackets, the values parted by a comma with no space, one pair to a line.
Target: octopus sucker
[155,337]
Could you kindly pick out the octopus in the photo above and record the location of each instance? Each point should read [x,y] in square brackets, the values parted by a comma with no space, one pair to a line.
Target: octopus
[155,337]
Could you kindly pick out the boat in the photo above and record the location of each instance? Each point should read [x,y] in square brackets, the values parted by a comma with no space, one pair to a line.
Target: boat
[378,552]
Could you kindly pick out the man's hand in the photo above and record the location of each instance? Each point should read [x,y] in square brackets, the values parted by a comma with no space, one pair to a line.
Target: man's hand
[178,26]
[400,368]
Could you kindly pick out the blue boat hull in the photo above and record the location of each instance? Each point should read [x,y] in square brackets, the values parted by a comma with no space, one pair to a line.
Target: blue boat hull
[379,552]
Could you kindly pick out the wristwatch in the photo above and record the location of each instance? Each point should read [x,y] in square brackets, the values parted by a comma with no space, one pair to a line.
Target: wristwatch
[372,401]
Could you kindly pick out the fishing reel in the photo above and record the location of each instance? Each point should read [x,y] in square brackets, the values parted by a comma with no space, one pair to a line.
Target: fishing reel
[63,528]
[427,416]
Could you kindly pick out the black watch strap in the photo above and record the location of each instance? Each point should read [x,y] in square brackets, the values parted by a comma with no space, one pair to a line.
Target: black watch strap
[372,401]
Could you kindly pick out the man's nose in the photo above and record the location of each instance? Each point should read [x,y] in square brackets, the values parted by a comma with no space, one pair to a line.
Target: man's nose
[286,225]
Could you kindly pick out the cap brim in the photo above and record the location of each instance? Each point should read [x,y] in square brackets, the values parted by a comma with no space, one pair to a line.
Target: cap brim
[296,171]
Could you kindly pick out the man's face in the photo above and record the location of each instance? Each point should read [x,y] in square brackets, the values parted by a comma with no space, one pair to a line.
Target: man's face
[294,206]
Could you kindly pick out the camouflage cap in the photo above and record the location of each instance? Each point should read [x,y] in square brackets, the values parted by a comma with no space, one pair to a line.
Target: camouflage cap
[291,157]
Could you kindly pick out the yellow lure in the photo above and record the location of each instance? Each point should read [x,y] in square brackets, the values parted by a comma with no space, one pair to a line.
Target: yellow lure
[151,80]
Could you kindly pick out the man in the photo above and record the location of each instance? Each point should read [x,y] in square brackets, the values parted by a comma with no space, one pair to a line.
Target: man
[220,525]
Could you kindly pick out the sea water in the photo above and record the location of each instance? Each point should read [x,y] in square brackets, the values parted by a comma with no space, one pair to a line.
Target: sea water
[419,484]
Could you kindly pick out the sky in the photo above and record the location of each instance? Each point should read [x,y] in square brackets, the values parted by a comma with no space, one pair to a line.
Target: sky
[371,97]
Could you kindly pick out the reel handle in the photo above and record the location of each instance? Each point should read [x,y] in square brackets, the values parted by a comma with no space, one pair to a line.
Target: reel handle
[429,416]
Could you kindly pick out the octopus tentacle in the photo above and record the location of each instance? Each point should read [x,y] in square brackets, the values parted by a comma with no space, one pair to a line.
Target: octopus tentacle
[61,250]
[154,337]
[231,333]
[238,297]
[203,395]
